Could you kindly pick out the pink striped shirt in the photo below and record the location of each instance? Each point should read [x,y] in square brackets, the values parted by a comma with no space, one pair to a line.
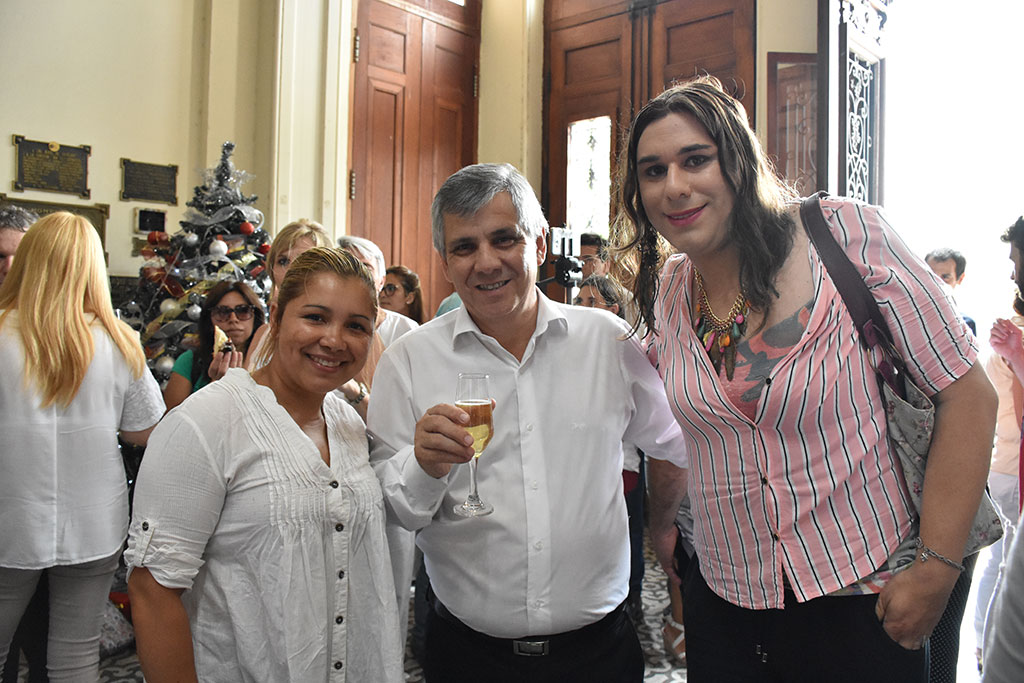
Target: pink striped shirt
[809,488]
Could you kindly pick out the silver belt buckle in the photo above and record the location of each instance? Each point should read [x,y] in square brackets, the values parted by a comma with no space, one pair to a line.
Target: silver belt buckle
[530,648]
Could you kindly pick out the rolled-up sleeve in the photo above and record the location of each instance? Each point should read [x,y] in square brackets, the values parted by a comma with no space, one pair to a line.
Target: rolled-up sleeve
[143,404]
[178,501]
[930,335]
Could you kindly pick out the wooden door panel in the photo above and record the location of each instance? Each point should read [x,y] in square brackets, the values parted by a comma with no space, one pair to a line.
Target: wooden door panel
[589,72]
[574,12]
[383,189]
[388,65]
[713,36]
[448,139]
[414,123]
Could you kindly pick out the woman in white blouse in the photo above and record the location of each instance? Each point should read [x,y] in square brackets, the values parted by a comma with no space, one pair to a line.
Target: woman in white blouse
[71,376]
[257,548]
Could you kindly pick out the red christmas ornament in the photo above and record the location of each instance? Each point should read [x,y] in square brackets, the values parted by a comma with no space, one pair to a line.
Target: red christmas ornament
[247,228]
[263,248]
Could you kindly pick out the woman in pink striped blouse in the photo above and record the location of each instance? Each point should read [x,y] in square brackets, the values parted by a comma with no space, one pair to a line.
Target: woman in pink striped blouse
[798,501]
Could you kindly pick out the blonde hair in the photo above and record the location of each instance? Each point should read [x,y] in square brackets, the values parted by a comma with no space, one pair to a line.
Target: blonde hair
[57,279]
[286,237]
[309,264]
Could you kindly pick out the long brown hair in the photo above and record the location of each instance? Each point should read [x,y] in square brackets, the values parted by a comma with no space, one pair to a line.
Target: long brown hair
[759,227]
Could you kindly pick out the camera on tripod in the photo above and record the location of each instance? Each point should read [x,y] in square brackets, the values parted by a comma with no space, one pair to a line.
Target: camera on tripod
[564,250]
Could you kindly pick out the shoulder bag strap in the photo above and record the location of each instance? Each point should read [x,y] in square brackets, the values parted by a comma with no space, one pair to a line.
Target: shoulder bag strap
[858,298]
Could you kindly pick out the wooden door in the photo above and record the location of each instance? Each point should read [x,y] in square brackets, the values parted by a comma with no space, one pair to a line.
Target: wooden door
[414,123]
[609,57]
[711,36]
[589,73]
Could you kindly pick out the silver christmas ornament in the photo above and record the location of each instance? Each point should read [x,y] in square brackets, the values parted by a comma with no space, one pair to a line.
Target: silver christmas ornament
[167,305]
[164,365]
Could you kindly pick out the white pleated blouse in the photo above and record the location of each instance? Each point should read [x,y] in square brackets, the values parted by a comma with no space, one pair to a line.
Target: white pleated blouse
[283,558]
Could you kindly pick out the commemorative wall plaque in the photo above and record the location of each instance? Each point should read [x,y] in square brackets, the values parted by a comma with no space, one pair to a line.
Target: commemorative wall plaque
[149,182]
[52,167]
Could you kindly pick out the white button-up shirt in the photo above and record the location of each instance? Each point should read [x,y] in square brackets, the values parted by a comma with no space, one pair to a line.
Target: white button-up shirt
[283,558]
[554,555]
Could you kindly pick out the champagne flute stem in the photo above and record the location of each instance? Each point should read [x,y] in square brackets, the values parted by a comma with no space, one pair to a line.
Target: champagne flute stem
[473,498]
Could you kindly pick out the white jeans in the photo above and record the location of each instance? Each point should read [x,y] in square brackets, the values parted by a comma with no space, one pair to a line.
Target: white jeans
[1005,490]
[78,593]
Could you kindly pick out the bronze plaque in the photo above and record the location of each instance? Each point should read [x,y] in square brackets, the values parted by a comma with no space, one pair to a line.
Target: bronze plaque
[149,182]
[52,166]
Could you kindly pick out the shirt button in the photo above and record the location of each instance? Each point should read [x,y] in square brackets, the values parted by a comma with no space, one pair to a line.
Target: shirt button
[529,427]
[534,485]
[538,545]
[338,619]
[764,481]
[334,484]
[145,526]
[339,527]
[338,665]
[767,381]
[341,574]
[775,537]
[538,603]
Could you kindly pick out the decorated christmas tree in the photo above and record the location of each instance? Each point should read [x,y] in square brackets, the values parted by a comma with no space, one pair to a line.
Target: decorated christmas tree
[221,239]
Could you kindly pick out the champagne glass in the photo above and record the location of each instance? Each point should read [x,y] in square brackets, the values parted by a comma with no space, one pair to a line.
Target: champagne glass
[473,396]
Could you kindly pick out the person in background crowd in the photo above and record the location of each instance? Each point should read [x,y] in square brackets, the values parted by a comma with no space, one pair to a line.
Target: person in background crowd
[593,254]
[800,511]
[73,376]
[257,548]
[449,303]
[553,469]
[401,293]
[1003,482]
[31,633]
[289,242]
[1005,337]
[1004,656]
[951,266]
[238,312]
[14,221]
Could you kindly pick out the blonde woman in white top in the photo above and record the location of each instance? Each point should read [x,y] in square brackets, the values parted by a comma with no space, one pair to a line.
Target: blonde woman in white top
[257,547]
[73,375]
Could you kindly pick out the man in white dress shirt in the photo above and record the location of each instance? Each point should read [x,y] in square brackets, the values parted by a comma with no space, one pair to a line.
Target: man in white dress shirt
[533,591]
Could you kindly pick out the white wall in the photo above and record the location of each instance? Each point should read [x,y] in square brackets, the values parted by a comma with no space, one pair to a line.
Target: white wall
[511,81]
[782,26]
[117,75]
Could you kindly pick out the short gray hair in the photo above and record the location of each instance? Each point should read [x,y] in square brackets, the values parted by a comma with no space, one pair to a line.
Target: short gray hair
[16,218]
[368,249]
[470,189]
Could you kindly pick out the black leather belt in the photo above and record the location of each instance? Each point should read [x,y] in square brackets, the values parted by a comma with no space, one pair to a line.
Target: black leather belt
[528,646]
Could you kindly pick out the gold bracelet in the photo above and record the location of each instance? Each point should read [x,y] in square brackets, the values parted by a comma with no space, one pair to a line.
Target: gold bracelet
[927,552]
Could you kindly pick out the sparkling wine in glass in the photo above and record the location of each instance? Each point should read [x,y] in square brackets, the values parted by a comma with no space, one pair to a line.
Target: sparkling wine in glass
[474,397]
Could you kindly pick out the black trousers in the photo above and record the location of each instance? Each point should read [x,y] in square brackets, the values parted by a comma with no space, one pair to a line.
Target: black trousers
[607,651]
[945,640]
[833,639]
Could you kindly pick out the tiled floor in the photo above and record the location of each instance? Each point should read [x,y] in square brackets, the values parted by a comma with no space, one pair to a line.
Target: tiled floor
[124,668]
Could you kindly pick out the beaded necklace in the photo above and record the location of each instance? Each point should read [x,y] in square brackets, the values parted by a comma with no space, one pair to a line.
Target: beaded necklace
[720,335]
